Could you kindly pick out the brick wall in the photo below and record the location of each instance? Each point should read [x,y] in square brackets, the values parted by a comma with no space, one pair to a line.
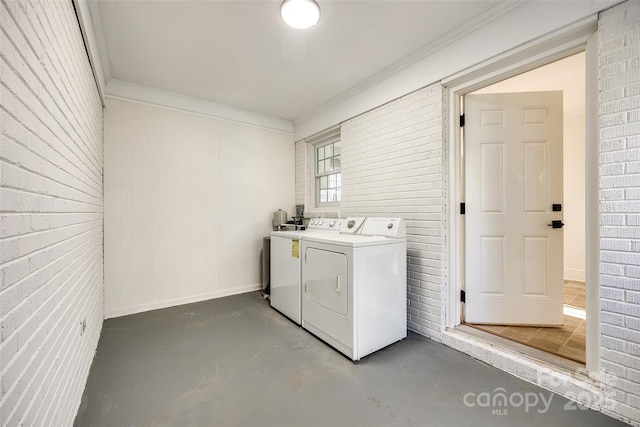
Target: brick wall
[393,165]
[619,109]
[51,223]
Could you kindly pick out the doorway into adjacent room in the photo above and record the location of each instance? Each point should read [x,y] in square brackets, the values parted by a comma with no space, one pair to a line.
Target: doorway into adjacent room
[523,159]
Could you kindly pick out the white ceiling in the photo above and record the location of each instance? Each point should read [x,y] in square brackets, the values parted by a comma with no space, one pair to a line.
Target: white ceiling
[239,53]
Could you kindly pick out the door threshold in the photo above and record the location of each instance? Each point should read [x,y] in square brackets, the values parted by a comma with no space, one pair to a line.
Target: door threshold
[525,350]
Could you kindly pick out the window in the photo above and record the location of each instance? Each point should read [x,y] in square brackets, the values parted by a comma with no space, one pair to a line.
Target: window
[325,158]
[328,176]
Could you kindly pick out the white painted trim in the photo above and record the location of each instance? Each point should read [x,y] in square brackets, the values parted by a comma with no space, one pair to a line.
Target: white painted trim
[455,196]
[536,53]
[440,43]
[91,27]
[180,301]
[592,208]
[529,21]
[132,92]
[565,382]
[546,49]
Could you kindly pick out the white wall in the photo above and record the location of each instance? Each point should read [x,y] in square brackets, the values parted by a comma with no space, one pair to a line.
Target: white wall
[188,200]
[51,214]
[567,75]
[393,165]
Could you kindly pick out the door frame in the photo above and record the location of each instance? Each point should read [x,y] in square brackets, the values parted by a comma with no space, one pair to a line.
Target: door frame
[581,36]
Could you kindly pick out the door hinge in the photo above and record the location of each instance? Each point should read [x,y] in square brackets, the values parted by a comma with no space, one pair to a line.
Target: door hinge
[463,297]
[462,120]
[462,208]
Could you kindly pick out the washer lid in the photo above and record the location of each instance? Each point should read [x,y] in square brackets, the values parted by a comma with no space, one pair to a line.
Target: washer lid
[351,240]
[292,234]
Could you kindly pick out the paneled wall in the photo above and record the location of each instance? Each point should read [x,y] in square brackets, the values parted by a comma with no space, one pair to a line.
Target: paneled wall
[51,214]
[188,200]
[619,102]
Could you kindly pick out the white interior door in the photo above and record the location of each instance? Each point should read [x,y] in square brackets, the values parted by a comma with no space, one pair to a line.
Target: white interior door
[513,177]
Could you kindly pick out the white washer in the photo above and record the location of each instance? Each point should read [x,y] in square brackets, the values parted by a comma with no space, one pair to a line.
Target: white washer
[354,286]
[285,265]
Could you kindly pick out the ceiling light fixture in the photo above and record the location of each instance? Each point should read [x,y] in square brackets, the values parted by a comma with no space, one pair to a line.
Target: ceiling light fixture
[300,13]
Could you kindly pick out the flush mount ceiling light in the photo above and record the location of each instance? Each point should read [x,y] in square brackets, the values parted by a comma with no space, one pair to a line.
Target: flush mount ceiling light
[300,13]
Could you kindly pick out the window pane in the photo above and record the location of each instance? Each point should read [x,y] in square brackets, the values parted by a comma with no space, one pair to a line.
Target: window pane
[327,171]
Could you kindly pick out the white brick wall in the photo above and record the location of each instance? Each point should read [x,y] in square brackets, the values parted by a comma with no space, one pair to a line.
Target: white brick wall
[619,99]
[393,165]
[51,222]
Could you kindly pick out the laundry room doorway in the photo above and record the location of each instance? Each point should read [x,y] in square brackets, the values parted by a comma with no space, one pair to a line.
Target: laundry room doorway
[523,229]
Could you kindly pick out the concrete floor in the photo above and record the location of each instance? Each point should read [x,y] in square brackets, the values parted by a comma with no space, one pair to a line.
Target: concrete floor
[234,361]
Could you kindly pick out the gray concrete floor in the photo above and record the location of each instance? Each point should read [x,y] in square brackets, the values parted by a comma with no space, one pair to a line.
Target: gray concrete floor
[234,361]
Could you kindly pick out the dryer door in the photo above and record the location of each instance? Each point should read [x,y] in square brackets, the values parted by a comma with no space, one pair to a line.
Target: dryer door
[327,280]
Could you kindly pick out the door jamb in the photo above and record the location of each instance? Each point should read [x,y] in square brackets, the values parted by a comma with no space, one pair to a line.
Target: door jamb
[575,38]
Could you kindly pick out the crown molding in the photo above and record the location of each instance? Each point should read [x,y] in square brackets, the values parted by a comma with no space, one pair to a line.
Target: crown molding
[91,27]
[485,18]
[119,89]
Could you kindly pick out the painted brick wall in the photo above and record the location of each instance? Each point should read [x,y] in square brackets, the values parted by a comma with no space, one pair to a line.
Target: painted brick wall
[619,109]
[51,222]
[393,165]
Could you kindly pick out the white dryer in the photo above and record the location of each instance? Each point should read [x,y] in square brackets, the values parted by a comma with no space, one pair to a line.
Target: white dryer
[354,286]
[285,265]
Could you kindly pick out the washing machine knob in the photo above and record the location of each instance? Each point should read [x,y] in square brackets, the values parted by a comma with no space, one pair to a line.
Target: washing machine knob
[390,225]
[332,223]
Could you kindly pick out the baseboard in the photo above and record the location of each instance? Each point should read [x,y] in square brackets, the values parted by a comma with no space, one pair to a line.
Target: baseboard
[180,301]
[574,274]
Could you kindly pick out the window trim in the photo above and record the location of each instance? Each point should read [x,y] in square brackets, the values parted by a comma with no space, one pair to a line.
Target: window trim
[321,139]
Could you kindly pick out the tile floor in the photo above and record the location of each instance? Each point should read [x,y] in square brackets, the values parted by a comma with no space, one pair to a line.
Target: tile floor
[567,341]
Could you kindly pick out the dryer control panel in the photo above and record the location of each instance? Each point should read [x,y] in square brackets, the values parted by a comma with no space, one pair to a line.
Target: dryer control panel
[352,225]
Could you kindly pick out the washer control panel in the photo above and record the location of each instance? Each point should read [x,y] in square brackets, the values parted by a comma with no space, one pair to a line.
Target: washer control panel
[329,224]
